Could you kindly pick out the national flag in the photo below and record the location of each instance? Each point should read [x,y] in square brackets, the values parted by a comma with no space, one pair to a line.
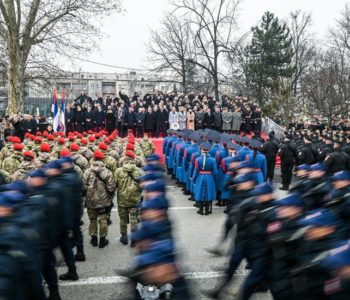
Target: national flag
[62,120]
[55,112]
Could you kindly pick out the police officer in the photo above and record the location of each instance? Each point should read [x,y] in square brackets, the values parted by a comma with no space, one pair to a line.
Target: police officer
[288,155]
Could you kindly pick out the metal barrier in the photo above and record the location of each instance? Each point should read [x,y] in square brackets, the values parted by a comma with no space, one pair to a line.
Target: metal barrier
[268,125]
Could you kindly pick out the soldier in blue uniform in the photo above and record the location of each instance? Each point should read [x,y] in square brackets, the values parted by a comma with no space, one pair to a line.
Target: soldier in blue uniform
[245,150]
[258,162]
[219,156]
[181,159]
[205,172]
[186,162]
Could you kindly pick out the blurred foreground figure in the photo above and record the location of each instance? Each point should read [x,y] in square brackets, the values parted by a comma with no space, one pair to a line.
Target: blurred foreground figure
[155,273]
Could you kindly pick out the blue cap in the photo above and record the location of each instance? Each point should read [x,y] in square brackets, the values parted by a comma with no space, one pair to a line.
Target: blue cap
[160,203]
[232,146]
[246,140]
[151,176]
[292,199]
[205,146]
[53,165]
[152,230]
[153,168]
[156,186]
[38,173]
[243,178]
[338,257]
[255,144]
[66,159]
[153,157]
[237,139]
[342,175]
[11,199]
[304,167]
[262,189]
[318,167]
[20,186]
[320,217]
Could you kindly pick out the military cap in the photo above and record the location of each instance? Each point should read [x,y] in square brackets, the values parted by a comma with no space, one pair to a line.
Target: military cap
[342,175]
[61,134]
[151,176]
[237,139]
[103,146]
[292,199]
[61,140]
[53,165]
[156,186]
[320,218]
[153,157]
[20,186]
[50,137]
[206,146]
[246,140]
[338,257]
[156,203]
[243,178]
[216,138]
[107,141]
[304,167]
[153,168]
[161,252]
[45,133]
[28,154]
[262,189]
[55,134]
[38,133]
[64,153]
[130,147]
[92,139]
[45,147]
[11,199]
[254,144]
[318,167]
[74,147]
[232,146]
[99,155]
[130,154]
[65,159]
[18,147]
[16,140]
[79,135]
[27,134]
[38,139]
[37,173]
[71,138]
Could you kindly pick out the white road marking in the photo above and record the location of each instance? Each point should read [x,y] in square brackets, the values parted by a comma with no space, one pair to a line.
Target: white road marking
[179,208]
[120,279]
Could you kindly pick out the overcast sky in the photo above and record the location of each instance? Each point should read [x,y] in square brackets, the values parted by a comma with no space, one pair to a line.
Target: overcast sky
[126,34]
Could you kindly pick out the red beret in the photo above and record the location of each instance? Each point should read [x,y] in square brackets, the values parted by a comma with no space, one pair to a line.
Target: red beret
[74,147]
[9,138]
[102,146]
[90,132]
[130,147]
[38,139]
[131,141]
[55,134]
[28,154]
[61,134]
[79,135]
[61,140]
[38,133]
[84,141]
[50,137]
[64,152]
[85,133]
[45,147]
[16,140]
[27,135]
[32,137]
[130,154]
[45,133]
[18,147]
[72,138]
[108,141]
[92,138]
[99,155]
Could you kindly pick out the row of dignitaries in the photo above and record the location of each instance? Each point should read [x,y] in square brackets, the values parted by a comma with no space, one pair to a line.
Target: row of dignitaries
[46,182]
[200,161]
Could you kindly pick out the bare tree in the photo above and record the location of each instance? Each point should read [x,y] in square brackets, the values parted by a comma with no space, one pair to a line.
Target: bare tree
[213,23]
[50,27]
[169,48]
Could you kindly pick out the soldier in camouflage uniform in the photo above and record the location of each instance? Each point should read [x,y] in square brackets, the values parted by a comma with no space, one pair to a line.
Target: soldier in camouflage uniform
[64,153]
[25,167]
[37,143]
[99,187]
[146,146]
[128,194]
[109,161]
[85,150]
[61,143]
[78,158]
[12,163]
[44,156]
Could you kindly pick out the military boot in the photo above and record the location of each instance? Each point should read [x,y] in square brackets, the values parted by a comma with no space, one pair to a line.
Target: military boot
[207,208]
[54,295]
[80,256]
[103,242]
[93,240]
[200,206]
[124,239]
[71,275]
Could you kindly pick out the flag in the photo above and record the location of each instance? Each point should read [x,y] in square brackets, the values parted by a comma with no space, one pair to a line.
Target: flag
[62,120]
[55,112]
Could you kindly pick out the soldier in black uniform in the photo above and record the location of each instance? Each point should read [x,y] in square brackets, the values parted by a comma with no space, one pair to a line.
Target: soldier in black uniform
[337,160]
[307,154]
[288,154]
[270,150]
[326,149]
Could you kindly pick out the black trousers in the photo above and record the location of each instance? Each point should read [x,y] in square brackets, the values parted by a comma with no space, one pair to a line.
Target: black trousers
[287,173]
[270,162]
[161,129]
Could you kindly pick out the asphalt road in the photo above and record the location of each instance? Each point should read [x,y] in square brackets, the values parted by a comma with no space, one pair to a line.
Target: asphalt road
[194,233]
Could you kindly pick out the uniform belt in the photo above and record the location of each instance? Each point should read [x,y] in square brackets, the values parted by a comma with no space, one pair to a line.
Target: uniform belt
[205,172]
[229,172]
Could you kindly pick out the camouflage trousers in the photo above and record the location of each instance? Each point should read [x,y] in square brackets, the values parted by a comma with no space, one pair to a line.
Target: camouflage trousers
[98,221]
[128,215]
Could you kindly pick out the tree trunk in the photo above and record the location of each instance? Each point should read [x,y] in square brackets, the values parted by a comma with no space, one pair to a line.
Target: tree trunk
[216,86]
